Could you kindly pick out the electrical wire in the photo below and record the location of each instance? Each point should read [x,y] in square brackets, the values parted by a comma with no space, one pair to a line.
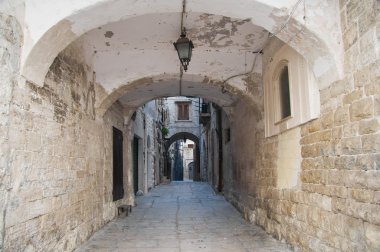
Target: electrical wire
[270,35]
[182,31]
[183,14]
[284,25]
[180,80]
[241,74]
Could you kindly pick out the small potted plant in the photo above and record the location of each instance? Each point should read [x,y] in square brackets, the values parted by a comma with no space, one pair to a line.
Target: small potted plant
[164,131]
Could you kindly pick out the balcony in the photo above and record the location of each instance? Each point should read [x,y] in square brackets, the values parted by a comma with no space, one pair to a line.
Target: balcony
[204,115]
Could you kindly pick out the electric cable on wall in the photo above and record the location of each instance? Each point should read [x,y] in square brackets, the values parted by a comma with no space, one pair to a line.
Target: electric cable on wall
[270,35]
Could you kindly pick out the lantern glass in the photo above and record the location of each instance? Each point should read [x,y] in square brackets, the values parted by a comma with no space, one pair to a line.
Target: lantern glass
[184,48]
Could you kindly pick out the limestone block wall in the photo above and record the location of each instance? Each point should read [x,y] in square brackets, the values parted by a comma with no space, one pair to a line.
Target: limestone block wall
[213,151]
[226,145]
[10,46]
[143,127]
[335,204]
[204,154]
[247,168]
[214,135]
[60,161]
[150,144]
[138,131]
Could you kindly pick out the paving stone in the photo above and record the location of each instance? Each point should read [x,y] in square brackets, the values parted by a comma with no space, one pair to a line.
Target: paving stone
[182,216]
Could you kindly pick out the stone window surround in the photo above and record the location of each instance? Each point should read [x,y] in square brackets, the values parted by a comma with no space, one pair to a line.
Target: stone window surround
[304,92]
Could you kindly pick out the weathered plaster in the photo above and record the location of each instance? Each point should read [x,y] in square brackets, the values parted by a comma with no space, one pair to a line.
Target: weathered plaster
[10,50]
[289,159]
[78,18]
[46,53]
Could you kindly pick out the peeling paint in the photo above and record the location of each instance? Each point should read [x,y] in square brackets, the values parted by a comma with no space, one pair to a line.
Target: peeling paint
[253,83]
[108,34]
[46,93]
[217,30]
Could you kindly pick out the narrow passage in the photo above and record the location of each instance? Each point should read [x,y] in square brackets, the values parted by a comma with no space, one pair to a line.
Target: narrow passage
[182,217]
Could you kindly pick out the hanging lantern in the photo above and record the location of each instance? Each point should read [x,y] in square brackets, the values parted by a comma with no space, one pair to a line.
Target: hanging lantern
[184,47]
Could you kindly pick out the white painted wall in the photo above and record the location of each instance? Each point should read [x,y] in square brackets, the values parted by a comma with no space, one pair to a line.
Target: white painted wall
[190,126]
[304,93]
[50,26]
[289,159]
[144,127]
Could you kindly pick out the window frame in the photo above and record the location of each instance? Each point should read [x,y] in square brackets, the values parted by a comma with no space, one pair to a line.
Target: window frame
[303,91]
[277,87]
[183,103]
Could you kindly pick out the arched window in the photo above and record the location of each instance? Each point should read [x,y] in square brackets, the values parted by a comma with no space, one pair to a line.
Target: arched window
[291,96]
[284,106]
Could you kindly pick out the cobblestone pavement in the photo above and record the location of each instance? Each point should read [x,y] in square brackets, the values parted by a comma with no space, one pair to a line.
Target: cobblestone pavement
[183,217]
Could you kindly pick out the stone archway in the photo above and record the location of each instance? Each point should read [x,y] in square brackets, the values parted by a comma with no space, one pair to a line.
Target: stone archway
[195,139]
[138,92]
[48,37]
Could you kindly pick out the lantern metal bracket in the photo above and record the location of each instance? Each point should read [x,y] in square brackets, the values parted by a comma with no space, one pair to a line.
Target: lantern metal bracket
[183,45]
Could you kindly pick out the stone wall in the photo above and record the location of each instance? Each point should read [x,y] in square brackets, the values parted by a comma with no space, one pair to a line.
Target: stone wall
[218,145]
[249,171]
[213,148]
[144,127]
[336,204]
[138,130]
[10,45]
[226,145]
[60,160]
[150,125]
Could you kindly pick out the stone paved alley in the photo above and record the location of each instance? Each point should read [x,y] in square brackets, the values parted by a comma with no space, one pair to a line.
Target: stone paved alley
[182,216]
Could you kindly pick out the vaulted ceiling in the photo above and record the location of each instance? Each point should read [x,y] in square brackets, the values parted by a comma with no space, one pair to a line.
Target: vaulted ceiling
[126,40]
[143,46]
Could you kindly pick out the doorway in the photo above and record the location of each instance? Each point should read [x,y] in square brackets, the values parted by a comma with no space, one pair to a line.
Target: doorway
[118,188]
[135,157]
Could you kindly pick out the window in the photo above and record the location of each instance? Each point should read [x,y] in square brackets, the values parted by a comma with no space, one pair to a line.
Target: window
[183,111]
[291,94]
[284,93]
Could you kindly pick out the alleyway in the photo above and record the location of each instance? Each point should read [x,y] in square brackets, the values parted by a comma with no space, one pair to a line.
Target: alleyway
[182,216]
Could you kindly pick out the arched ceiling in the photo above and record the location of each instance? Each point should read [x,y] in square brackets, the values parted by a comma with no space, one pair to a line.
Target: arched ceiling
[143,46]
[143,90]
[50,26]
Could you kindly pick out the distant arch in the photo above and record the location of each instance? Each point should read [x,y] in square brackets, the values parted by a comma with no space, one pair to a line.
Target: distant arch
[179,136]
[143,90]
[195,139]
